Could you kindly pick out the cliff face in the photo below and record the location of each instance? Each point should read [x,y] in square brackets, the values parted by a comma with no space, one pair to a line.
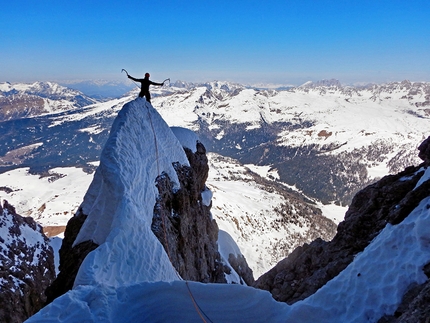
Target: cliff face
[26,266]
[183,224]
[388,201]
[147,186]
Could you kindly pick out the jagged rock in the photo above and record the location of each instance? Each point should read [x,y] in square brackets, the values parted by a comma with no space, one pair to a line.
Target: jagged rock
[311,266]
[424,149]
[70,258]
[26,265]
[239,264]
[183,224]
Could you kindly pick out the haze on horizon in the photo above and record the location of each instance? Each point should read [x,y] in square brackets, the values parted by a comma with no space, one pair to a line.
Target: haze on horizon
[250,42]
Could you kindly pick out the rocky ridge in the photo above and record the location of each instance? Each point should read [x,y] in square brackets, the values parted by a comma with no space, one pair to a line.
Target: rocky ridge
[311,266]
[184,225]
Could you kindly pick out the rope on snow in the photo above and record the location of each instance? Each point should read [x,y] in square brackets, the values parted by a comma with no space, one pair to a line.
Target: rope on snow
[196,305]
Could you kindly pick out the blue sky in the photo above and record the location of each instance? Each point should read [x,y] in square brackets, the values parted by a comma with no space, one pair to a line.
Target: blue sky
[283,42]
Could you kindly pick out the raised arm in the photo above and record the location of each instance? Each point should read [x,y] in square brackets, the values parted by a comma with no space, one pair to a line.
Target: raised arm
[134,79]
[159,84]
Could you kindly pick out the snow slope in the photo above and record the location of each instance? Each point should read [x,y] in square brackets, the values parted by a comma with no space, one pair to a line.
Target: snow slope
[372,285]
[253,214]
[51,200]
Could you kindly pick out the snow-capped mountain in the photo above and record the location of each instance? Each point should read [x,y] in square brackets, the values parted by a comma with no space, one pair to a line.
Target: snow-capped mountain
[101,89]
[354,135]
[21,100]
[129,276]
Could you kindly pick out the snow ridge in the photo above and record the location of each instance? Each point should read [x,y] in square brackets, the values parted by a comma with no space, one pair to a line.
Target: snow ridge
[120,200]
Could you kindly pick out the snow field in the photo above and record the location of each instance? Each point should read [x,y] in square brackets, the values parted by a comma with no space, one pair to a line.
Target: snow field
[50,200]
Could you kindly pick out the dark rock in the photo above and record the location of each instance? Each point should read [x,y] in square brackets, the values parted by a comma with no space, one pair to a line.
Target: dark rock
[239,264]
[414,308]
[311,266]
[424,149]
[26,266]
[71,257]
[184,225]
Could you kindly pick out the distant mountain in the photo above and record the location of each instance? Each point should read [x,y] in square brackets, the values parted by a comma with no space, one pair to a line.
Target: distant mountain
[324,139]
[101,90]
[20,100]
[322,83]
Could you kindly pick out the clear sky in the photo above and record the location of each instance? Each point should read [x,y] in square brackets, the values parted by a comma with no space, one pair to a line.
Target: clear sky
[282,42]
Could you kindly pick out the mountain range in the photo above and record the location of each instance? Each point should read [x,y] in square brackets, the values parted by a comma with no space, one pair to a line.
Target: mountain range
[308,148]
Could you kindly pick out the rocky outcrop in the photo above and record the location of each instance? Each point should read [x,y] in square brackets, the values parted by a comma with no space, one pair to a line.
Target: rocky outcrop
[26,266]
[424,153]
[415,306]
[311,266]
[183,224]
[71,258]
[239,264]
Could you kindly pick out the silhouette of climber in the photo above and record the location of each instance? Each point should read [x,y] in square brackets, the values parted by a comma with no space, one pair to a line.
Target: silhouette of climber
[145,83]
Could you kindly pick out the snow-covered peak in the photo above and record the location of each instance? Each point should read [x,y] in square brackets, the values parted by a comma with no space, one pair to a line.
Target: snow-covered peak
[18,100]
[121,199]
[322,83]
[38,88]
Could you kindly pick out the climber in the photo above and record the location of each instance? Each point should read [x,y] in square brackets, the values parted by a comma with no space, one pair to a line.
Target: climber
[145,83]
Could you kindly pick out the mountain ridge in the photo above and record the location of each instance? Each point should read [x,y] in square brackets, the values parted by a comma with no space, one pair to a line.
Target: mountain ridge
[21,100]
